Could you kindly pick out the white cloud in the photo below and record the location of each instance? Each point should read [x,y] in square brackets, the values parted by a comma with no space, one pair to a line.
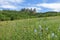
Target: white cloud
[53,6]
[50,5]
[8,6]
[14,1]
[8,3]
[56,10]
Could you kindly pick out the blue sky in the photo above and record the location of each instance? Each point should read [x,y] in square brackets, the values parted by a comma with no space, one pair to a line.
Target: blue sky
[40,5]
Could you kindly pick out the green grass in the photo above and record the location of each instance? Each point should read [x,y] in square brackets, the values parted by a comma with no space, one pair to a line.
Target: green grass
[46,28]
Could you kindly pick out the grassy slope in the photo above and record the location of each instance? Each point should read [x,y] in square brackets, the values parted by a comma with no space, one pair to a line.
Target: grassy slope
[30,29]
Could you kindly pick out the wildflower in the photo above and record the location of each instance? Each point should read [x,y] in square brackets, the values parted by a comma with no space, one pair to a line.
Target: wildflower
[46,28]
[59,29]
[40,28]
[35,30]
[56,36]
[52,35]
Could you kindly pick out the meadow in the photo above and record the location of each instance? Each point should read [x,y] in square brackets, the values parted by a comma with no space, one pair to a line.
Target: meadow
[45,28]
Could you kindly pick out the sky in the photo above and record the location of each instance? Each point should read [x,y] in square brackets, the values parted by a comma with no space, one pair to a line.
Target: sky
[40,5]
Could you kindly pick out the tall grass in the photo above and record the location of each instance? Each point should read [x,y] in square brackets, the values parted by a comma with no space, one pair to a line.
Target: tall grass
[46,28]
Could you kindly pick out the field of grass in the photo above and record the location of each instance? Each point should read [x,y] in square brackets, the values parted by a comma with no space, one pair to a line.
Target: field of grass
[46,28]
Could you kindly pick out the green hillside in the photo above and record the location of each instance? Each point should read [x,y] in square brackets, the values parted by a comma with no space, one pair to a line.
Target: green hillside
[6,15]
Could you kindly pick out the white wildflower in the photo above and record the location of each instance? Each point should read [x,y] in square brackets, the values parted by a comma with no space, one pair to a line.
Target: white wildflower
[56,36]
[46,28]
[52,35]
[35,30]
[40,27]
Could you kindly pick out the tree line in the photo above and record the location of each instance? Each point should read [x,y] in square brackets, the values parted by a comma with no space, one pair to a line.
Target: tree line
[24,14]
